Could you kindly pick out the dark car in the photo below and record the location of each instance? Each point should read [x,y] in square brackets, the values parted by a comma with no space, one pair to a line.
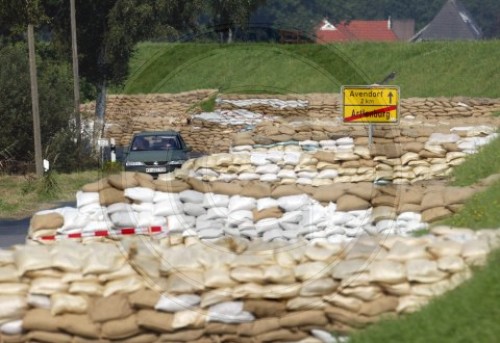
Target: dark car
[156,152]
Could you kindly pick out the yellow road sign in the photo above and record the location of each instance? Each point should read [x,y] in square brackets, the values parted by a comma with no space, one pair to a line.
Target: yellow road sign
[370,104]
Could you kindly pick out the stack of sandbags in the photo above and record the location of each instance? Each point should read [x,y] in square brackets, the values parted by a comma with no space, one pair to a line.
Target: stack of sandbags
[185,290]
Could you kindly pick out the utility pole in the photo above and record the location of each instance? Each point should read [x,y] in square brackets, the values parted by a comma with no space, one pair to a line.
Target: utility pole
[76,79]
[34,102]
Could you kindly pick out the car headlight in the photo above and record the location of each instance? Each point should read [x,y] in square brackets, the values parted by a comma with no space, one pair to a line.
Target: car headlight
[176,162]
[133,163]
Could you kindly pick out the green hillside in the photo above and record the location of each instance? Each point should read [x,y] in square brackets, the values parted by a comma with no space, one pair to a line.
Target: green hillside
[422,69]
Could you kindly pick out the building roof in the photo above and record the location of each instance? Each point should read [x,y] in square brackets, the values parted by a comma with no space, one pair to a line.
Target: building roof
[355,30]
[453,22]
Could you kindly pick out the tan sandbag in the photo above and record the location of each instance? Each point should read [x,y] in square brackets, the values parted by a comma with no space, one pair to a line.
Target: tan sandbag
[387,271]
[212,297]
[140,338]
[198,185]
[475,252]
[233,188]
[285,190]
[352,319]
[144,298]
[411,303]
[402,252]
[411,195]
[86,287]
[318,287]
[324,252]
[181,336]
[187,282]
[48,286]
[215,328]
[363,190]
[379,306]
[48,337]
[14,338]
[175,186]
[305,303]
[264,308]
[424,271]
[218,278]
[79,339]
[443,248]
[398,289]
[256,190]
[432,199]
[365,293]
[79,325]
[96,186]
[383,213]
[281,335]
[46,221]
[66,303]
[351,203]
[110,308]
[109,196]
[330,193]
[8,273]
[156,321]
[123,180]
[346,268]
[435,214]
[121,328]
[188,319]
[457,195]
[301,318]
[349,303]
[451,264]
[258,327]
[39,319]
[124,285]
[272,212]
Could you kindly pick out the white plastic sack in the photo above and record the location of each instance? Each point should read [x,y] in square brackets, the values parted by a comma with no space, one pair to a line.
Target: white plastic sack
[12,328]
[237,203]
[141,194]
[293,202]
[195,210]
[178,303]
[238,217]
[215,200]
[165,196]
[86,198]
[180,222]
[268,169]
[167,208]
[229,312]
[191,196]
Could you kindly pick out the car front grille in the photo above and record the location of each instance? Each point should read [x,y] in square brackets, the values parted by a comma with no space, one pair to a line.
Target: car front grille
[158,163]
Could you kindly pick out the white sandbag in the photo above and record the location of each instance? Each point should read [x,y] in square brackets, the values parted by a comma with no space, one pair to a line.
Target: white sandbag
[119,207]
[32,257]
[313,214]
[339,218]
[170,303]
[217,212]
[439,138]
[269,178]
[237,203]
[103,258]
[345,141]
[273,234]
[39,301]
[311,143]
[143,207]
[229,312]
[93,226]
[180,222]
[206,172]
[327,174]
[267,224]
[248,176]
[203,223]
[409,216]
[68,256]
[215,200]
[291,158]
[165,196]
[275,156]
[293,202]
[291,217]
[195,210]
[238,217]
[268,169]
[92,208]
[167,208]
[224,177]
[327,143]
[424,271]
[66,303]
[264,203]
[125,219]
[287,174]
[86,198]
[141,194]
[12,328]
[191,196]
[211,233]
[258,159]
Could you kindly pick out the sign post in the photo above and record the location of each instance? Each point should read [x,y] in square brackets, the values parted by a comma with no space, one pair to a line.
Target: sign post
[370,105]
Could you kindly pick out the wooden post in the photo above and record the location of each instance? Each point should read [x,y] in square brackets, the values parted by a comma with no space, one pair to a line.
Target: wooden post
[76,79]
[34,103]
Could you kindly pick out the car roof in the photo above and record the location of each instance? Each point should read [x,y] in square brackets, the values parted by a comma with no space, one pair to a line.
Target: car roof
[150,133]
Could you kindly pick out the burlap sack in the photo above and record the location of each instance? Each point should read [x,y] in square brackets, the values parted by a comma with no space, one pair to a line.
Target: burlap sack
[141,338]
[156,321]
[175,186]
[336,314]
[233,188]
[182,336]
[265,308]
[198,185]
[351,203]
[256,190]
[432,199]
[258,327]
[436,213]
[379,306]
[299,318]
[329,193]
[348,303]
[285,190]
[109,196]
[325,156]
[48,337]
[14,338]
[281,335]
[46,221]
[110,308]
[214,328]
[272,212]
[96,186]
[121,328]
[144,298]
[40,319]
[79,325]
[123,180]
[363,190]
[8,273]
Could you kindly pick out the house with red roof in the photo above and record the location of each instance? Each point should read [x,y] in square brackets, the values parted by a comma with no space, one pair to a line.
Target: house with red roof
[365,30]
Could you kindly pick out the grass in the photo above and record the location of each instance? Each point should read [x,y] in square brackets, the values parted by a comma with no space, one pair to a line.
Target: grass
[422,69]
[22,196]
[478,166]
[467,314]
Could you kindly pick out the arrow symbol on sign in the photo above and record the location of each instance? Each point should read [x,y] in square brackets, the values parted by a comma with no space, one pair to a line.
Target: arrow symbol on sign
[390,97]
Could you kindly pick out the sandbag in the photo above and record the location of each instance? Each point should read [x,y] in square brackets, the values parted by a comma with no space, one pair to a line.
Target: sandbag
[65,303]
[110,196]
[79,324]
[264,308]
[303,318]
[141,194]
[144,298]
[424,271]
[46,221]
[156,321]
[39,319]
[110,308]
[122,328]
[48,337]
[177,303]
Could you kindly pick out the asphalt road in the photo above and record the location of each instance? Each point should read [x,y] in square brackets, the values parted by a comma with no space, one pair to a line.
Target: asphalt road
[15,231]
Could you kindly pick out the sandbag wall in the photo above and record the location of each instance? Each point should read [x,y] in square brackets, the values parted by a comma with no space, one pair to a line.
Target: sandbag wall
[178,289]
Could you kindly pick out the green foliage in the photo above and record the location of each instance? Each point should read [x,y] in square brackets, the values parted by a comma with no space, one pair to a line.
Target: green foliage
[112,168]
[274,68]
[55,99]
[48,186]
[496,114]
[479,166]
[208,105]
[466,314]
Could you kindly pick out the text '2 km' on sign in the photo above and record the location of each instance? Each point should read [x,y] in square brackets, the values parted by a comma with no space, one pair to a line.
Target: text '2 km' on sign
[370,104]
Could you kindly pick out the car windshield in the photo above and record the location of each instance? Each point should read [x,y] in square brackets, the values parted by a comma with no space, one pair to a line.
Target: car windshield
[155,142]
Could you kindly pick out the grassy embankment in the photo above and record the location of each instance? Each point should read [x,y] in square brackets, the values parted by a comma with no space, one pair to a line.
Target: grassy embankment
[422,70]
